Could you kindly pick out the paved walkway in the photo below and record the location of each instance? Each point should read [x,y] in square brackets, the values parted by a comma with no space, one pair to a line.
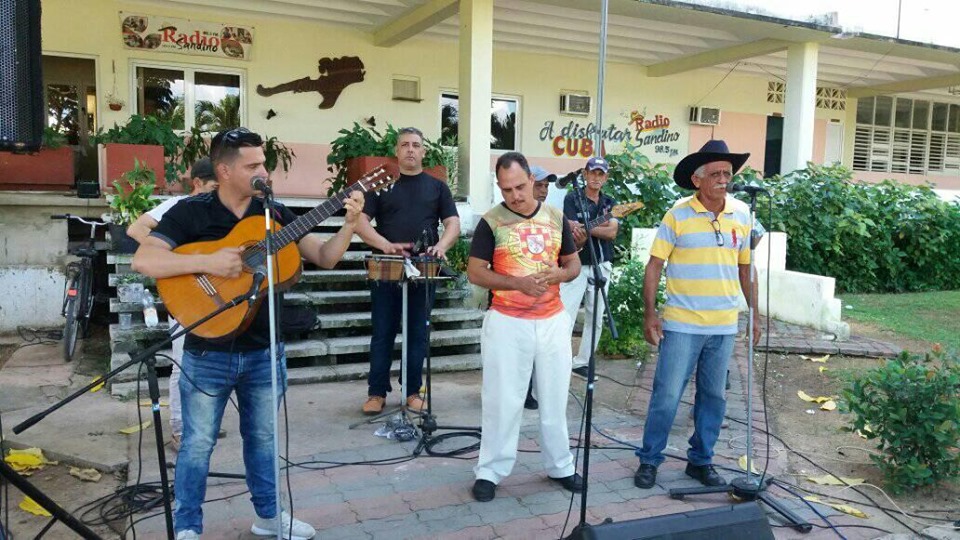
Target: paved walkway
[406,497]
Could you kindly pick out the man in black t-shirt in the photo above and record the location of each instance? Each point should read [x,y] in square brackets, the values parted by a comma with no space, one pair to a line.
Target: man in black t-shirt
[573,293]
[212,370]
[407,212]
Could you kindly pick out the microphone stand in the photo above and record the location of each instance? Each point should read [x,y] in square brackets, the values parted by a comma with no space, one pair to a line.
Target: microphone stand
[428,422]
[749,488]
[148,358]
[582,530]
[271,260]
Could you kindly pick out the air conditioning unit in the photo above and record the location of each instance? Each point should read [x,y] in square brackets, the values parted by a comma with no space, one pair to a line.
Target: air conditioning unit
[576,104]
[706,116]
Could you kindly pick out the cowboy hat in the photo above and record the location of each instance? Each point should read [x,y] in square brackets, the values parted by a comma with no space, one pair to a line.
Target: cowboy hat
[714,150]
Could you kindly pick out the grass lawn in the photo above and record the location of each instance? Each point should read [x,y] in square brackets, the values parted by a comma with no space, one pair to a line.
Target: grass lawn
[933,316]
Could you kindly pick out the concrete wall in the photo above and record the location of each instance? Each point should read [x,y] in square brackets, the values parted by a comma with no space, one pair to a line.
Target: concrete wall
[794,297]
[33,256]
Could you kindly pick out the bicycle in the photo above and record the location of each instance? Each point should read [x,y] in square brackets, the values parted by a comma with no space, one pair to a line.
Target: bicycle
[78,288]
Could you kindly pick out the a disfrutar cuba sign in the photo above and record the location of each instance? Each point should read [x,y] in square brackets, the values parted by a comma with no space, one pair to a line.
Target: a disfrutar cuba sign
[652,134]
[168,34]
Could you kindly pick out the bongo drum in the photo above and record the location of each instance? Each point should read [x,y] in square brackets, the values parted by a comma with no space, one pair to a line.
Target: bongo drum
[384,267]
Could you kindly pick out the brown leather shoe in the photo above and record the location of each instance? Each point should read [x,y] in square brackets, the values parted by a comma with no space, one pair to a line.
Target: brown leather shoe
[416,404]
[374,405]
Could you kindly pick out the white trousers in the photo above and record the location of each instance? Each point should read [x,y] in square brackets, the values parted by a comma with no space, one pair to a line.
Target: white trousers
[509,349]
[572,294]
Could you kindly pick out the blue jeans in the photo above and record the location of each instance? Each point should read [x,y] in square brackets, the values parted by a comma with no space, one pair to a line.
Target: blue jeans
[219,374]
[679,354]
[387,304]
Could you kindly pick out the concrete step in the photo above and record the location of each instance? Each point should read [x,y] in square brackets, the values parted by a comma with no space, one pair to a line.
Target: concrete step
[333,276]
[319,374]
[363,319]
[438,338]
[319,298]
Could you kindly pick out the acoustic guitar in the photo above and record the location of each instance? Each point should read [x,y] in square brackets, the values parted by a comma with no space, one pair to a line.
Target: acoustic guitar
[618,211]
[191,297]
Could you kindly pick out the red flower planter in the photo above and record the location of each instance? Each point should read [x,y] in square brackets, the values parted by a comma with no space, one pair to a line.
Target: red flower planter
[119,158]
[47,170]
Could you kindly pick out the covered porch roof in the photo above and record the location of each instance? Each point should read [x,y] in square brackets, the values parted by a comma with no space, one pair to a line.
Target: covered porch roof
[661,37]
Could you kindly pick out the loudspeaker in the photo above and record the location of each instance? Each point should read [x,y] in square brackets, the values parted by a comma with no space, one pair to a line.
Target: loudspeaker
[736,522]
[21,76]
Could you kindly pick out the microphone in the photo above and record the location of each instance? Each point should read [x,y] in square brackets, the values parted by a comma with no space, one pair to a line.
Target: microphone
[258,276]
[753,190]
[568,178]
[259,183]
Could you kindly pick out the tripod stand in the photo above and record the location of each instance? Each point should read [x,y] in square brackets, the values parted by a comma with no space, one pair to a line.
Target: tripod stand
[582,530]
[428,422]
[148,358]
[749,487]
[409,273]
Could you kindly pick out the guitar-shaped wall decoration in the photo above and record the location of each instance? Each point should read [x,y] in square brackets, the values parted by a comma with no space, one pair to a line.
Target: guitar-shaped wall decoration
[191,297]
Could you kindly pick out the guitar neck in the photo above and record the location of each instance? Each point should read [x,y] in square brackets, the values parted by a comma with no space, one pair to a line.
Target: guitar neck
[600,220]
[302,225]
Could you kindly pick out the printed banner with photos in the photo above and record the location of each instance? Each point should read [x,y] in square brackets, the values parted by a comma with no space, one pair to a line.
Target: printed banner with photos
[169,34]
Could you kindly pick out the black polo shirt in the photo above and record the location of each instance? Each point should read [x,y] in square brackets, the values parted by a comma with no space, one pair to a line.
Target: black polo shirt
[413,204]
[603,205]
[201,218]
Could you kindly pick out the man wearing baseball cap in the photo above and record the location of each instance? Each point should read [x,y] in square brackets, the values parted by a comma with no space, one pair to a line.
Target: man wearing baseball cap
[203,180]
[602,236]
[541,182]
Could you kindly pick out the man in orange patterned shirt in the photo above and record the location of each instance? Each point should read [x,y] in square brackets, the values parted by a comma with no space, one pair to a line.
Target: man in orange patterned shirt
[522,251]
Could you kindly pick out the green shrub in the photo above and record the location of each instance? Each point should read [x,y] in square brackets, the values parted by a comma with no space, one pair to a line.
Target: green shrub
[626,297]
[141,129]
[911,407]
[457,257]
[886,237]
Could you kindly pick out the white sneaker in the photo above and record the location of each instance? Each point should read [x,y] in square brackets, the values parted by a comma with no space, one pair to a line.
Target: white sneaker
[268,527]
[188,534]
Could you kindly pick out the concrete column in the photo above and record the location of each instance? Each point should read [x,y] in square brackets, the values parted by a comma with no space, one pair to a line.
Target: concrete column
[801,106]
[476,73]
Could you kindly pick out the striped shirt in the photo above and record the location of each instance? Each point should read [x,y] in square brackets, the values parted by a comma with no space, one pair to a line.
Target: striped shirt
[703,280]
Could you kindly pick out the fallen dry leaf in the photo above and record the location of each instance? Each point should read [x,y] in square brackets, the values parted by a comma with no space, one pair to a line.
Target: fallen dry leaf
[27,460]
[803,395]
[819,360]
[828,405]
[31,506]
[821,369]
[100,386]
[133,429]
[87,475]
[845,508]
[831,480]
[743,464]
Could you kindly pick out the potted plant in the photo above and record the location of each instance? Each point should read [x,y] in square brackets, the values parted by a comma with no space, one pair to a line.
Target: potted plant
[134,196]
[113,102]
[277,154]
[359,149]
[50,169]
[143,138]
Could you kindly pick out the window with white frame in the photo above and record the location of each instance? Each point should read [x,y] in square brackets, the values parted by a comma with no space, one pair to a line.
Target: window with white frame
[205,97]
[504,121]
[905,135]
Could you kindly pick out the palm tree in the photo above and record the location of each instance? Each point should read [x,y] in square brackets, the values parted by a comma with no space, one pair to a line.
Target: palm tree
[219,116]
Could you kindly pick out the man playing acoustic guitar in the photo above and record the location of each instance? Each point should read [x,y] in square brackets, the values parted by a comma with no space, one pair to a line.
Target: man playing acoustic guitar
[213,369]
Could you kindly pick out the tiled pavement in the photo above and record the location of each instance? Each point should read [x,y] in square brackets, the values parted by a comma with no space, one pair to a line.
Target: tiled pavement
[430,496]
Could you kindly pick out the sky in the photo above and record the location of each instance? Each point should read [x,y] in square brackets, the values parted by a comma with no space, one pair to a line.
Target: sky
[926,21]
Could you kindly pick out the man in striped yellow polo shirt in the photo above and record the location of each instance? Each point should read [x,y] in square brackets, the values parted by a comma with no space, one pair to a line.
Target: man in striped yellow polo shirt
[705,238]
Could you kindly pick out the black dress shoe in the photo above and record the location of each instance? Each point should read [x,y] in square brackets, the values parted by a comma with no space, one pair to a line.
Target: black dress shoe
[705,474]
[531,403]
[484,490]
[573,483]
[583,371]
[646,476]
